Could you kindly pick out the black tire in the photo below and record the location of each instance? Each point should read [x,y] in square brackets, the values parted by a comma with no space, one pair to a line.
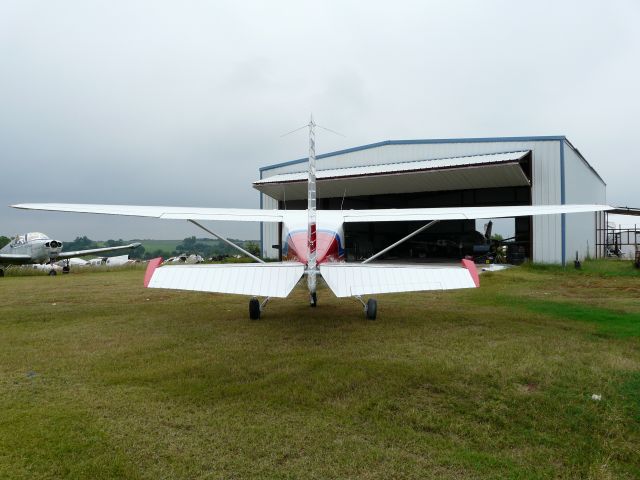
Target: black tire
[1,273]
[52,273]
[66,269]
[254,309]
[314,299]
[372,309]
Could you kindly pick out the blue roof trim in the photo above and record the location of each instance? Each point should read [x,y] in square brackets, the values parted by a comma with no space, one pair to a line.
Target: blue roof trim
[421,142]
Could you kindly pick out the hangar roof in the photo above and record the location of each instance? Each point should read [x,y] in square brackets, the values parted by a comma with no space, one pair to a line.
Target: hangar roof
[456,173]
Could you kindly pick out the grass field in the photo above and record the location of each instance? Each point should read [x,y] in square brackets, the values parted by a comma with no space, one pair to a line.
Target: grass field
[103,379]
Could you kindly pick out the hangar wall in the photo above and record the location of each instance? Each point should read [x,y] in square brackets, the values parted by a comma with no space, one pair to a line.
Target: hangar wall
[547,188]
[581,186]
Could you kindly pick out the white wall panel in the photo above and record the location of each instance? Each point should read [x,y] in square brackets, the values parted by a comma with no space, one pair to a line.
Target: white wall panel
[269,230]
[581,186]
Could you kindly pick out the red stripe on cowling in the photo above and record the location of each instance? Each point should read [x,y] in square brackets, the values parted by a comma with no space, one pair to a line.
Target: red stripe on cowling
[151,267]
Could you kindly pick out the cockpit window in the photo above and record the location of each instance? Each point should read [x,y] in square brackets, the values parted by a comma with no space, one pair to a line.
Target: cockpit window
[36,236]
[18,240]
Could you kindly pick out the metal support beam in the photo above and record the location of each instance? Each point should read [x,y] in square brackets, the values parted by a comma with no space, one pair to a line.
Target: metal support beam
[237,247]
[413,234]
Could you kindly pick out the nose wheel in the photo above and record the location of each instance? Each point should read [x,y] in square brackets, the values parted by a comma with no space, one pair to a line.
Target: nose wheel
[313,299]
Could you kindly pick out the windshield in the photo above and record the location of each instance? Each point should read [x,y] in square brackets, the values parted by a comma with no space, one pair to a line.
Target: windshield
[36,236]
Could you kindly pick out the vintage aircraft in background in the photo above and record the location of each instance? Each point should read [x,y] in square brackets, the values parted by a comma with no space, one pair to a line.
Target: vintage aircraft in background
[313,245]
[37,248]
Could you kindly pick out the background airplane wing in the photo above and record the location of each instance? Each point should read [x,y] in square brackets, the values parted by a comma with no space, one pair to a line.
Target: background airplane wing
[464,213]
[348,280]
[95,251]
[255,279]
[171,213]
[13,257]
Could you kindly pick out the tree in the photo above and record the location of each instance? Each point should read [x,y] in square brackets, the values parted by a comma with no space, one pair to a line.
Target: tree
[80,243]
[252,247]
[4,241]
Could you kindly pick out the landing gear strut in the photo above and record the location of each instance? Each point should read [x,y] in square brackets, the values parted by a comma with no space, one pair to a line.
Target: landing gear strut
[66,268]
[52,272]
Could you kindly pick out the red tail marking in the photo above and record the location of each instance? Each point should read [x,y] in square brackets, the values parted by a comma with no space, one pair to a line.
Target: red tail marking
[471,266]
[151,267]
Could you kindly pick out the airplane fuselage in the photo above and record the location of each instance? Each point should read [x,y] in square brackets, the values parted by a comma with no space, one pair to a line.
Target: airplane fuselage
[30,248]
[329,238]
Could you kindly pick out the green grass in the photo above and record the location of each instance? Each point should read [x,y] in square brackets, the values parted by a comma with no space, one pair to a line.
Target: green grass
[100,378]
[166,246]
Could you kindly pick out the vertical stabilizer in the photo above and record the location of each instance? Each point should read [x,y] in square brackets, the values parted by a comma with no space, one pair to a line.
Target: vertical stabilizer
[311,209]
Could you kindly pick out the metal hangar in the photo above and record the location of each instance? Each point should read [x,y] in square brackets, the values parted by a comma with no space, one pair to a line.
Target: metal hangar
[543,170]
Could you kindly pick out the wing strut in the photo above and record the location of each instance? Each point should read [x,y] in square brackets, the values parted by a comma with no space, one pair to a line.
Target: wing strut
[413,234]
[237,247]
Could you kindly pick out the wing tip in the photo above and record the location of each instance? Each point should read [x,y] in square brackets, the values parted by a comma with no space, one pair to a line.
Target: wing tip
[151,268]
[473,271]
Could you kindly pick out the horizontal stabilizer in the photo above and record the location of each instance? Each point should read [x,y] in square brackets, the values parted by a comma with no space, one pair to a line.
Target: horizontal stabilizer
[347,280]
[255,279]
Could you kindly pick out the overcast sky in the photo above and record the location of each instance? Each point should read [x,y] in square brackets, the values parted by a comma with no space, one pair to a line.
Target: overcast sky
[180,103]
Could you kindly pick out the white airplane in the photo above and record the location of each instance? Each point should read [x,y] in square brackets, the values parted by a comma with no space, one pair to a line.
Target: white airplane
[313,245]
[37,248]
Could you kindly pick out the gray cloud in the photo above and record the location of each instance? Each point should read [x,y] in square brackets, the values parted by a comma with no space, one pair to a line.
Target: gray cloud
[180,103]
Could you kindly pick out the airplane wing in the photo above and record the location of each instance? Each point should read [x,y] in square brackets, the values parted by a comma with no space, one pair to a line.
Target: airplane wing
[259,215]
[95,251]
[170,213]
[464,213]
[13,257]
[348,280]
[255,279]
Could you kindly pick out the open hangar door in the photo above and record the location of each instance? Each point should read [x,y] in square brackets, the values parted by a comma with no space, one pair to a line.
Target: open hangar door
[444,241]
[482,180]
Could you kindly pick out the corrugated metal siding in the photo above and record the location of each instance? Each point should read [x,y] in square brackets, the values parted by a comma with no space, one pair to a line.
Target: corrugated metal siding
[581,186]
[269,230]
[546,183]
[546,190]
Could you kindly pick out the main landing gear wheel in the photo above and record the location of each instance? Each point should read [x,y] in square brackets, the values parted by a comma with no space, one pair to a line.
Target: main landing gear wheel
[52,273]
[1,273]
[254,309]
[313,299]
[66,269]
[372,309]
